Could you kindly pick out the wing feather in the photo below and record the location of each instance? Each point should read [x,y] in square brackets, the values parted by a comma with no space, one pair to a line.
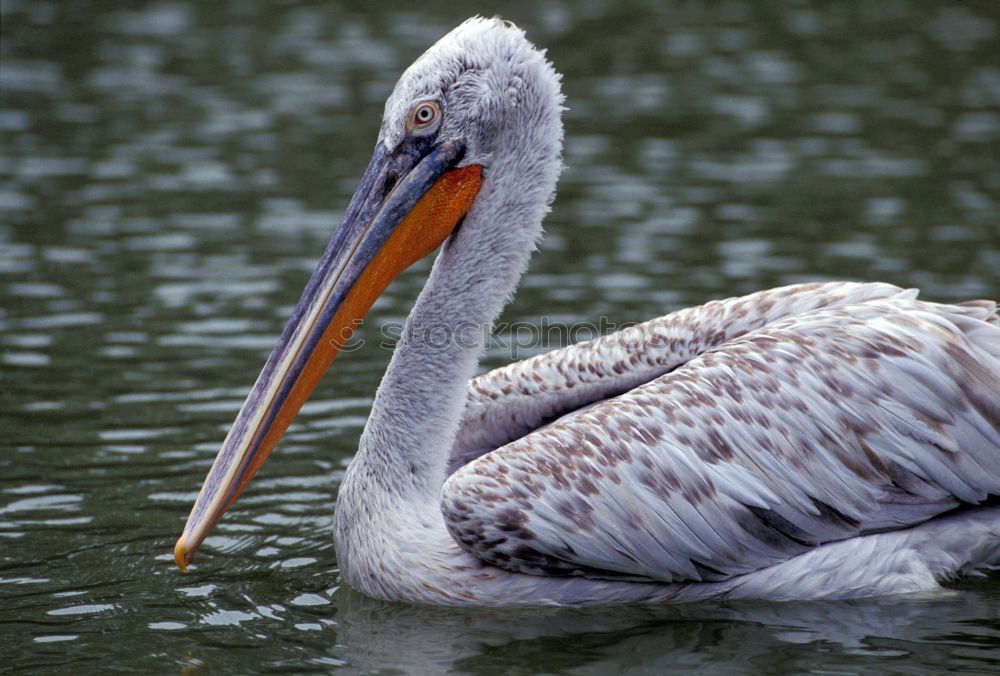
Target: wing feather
[509,402]
[814,427]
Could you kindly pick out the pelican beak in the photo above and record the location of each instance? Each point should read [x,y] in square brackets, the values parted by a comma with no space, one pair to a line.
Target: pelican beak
[409,201]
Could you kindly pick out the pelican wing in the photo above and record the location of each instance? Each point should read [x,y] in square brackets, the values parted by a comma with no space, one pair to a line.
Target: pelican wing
[813,428]
[509,402]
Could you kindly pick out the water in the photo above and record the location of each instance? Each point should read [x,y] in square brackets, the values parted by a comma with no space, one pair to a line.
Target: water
[170,172]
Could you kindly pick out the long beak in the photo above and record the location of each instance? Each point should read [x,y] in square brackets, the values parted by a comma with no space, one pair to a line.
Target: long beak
[409,201]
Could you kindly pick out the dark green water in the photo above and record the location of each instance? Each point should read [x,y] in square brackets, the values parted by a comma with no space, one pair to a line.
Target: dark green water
[170,171]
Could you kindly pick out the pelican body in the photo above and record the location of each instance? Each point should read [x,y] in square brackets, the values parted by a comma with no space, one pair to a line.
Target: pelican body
[813,441]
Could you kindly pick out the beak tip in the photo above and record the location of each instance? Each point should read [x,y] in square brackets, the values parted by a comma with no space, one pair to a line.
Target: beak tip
[181,554]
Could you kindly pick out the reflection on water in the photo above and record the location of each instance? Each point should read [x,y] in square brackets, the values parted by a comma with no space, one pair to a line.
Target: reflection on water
[170,171]
[744,637]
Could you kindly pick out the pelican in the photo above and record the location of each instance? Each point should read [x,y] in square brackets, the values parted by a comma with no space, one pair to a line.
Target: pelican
[815,441]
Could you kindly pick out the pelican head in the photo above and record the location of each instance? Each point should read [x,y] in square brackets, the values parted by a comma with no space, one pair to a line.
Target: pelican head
[475,119]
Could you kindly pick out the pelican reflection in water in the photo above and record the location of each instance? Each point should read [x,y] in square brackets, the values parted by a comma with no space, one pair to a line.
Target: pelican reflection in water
[815,441]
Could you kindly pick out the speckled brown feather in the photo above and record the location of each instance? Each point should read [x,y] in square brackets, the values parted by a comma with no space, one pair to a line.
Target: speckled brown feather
[511,401]
[781,435]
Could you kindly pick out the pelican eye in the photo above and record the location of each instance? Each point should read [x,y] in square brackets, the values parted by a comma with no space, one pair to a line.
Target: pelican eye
[424,116]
